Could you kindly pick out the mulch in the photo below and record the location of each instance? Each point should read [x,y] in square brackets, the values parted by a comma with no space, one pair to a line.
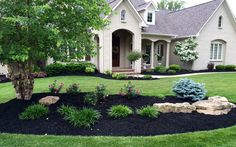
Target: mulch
[133,125]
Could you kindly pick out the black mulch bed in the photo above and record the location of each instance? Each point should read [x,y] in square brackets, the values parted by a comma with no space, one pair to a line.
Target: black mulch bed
[109,77]
[183,72]
[131,126]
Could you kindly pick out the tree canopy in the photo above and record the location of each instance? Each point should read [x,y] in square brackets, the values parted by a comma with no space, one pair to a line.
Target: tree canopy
[171,5]
[32,30]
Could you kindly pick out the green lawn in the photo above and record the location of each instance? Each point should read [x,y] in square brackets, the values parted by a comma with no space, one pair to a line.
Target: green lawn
[216,84]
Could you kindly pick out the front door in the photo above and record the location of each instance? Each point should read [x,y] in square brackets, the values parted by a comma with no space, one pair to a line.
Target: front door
[115,51]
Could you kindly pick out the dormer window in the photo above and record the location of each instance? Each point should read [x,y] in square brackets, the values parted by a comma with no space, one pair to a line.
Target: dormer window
[220,22]
[123,16]
[149,17]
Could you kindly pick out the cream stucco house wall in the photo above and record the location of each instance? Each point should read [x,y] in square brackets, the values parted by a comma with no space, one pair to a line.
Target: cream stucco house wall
[136,25]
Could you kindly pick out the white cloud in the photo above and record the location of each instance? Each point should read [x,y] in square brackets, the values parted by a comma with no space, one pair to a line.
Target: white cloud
[189,3]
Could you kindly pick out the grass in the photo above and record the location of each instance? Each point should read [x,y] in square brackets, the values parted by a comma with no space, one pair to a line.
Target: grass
[216,84]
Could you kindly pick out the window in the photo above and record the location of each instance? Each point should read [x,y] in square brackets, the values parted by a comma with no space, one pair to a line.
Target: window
[123,16]
[160,50]
[216,53]
[148,53]
[150,17]
[220,22]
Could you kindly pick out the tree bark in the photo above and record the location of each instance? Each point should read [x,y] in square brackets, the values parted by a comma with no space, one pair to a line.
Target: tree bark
[22,79]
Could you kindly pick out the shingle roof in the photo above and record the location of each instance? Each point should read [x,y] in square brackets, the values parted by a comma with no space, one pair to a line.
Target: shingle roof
[185,22]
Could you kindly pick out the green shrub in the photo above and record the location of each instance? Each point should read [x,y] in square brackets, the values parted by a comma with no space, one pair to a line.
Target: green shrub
[73,89]
[119,111]
[147,77]
[80,118]
[160,69]
[100,92]
[70,68]
[188,89]
[220,67]
[210,66]
[108,72]
[55,87]
[175,67]
[55,69]
[134,56]
[119,76]
[230,67]
[149,70]
[148,111]
[34,112]
[90,98]
[129,91]
[172,72]
[90,70]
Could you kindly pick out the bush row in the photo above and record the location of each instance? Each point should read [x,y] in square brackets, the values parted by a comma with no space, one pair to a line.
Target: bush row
[225,67]
[173,69]
[71,68]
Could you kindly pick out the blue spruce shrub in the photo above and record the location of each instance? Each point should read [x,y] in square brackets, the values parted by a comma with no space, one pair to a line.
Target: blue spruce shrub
[188,89]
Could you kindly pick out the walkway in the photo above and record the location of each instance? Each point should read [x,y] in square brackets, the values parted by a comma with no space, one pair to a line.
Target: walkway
[183,75]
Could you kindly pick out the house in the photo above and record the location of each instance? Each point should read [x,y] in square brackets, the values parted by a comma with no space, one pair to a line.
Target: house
[136,25]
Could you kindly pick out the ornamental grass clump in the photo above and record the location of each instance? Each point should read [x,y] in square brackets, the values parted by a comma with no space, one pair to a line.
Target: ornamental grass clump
[80,118]
[188,89]
[130,91]
[33,112]
[119,111]
[148,111]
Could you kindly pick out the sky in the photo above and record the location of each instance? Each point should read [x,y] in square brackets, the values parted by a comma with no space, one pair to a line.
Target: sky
[232,3]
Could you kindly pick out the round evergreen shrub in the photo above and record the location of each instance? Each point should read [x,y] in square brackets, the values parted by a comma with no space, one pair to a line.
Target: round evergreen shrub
[188,89]
[220,67]
[119,111]
[134,56]
[90,70]
[210,66]
[230,67]
[148,111]
[160,69]
[175,67]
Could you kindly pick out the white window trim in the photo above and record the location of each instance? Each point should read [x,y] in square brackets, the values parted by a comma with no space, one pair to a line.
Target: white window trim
[153,17]
[213,53]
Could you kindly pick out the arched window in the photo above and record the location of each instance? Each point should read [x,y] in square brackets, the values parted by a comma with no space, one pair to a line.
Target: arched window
[220,22]
[217,50]
[123,15]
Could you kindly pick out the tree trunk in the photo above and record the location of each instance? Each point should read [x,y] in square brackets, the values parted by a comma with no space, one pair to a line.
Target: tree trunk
[22,79]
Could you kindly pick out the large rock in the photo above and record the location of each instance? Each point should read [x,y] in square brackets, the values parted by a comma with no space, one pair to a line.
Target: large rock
[49,100]
[175,108]
[214,106]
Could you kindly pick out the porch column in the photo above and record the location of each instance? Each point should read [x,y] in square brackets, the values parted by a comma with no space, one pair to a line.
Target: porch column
[168,54]
[152,55]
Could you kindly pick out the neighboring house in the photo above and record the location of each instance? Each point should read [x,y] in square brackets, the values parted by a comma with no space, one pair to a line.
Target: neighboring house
[136,25]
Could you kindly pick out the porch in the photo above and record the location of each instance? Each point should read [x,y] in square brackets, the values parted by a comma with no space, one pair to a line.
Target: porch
[155,53]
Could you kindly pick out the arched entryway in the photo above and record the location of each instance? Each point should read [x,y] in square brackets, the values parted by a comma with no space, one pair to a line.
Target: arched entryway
[122,45]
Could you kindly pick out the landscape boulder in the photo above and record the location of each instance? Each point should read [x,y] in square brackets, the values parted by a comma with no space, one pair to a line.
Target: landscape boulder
[175,108]
[214,106]
[49,100]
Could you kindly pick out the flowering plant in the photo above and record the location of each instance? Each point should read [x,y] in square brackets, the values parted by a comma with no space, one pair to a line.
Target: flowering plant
[55,87]
[186,50]
[130,91]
